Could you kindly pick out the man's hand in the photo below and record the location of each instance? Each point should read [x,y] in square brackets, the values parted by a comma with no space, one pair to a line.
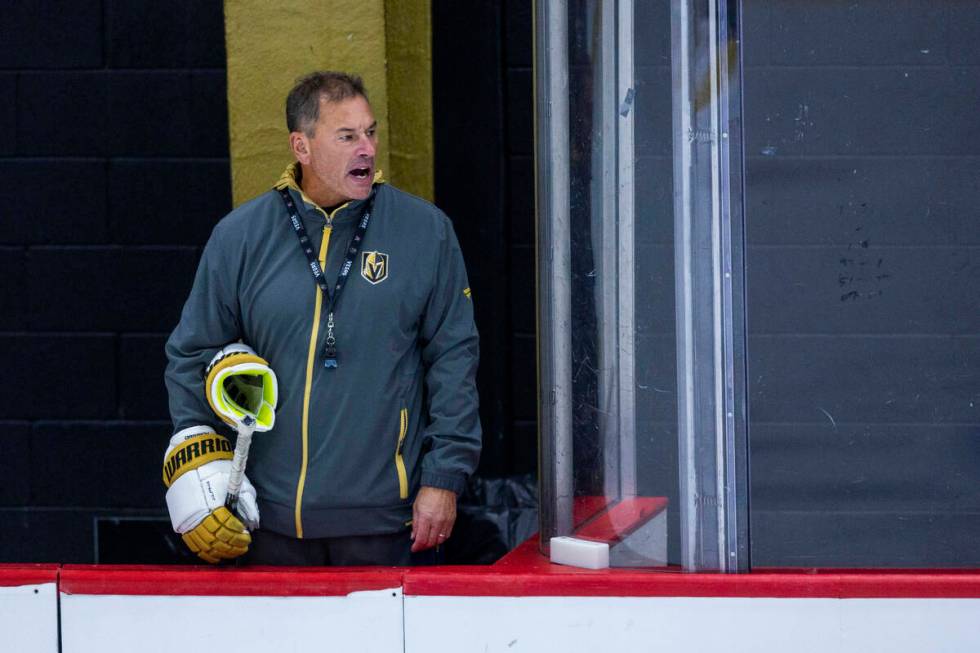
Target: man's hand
[433,516]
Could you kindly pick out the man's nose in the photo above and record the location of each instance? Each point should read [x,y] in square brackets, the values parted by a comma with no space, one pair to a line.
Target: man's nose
[366,146]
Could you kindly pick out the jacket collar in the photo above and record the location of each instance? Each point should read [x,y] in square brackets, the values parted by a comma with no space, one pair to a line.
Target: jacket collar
[290,179]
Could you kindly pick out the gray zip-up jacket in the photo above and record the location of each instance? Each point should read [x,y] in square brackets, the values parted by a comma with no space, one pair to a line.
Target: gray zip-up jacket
[351,445]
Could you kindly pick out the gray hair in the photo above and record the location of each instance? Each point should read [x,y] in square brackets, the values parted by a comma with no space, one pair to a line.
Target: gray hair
[303,101]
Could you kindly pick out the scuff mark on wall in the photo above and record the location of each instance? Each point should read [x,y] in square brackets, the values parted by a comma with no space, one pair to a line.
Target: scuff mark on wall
[802,121]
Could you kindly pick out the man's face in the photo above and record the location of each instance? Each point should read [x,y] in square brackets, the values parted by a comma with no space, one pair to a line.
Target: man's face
[338,160]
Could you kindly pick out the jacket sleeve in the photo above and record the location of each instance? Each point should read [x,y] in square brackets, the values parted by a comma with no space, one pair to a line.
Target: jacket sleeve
[450,354]
[210,320]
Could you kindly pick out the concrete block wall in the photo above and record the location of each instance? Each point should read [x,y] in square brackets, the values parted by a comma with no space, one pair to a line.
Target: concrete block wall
[519,127]
[113,170]
[862,161]
[656,351]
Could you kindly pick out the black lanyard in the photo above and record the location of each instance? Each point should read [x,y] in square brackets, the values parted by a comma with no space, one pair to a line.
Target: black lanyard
[330,348]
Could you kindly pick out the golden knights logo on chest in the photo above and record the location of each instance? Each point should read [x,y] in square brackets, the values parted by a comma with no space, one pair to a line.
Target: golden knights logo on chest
[374,266]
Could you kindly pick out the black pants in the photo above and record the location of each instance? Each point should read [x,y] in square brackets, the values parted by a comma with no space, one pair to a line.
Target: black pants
[270,548]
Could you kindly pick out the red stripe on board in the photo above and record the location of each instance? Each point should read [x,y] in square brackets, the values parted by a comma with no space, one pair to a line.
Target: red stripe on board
[526,572]
[665,584]
[230,581]
[527,557]
[17,575]
[523,572]
[609,583]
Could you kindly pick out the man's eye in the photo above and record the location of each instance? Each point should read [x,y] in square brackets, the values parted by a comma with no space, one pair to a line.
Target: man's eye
[371,133]
[346,138]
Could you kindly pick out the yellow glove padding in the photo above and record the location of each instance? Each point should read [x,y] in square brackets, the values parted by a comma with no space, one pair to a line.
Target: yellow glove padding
[239,382]
[220,536]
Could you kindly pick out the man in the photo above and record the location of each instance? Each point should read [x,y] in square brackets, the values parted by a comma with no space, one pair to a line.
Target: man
[376,428]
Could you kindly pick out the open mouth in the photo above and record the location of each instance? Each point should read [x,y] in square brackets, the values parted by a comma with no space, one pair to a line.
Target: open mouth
[361,174]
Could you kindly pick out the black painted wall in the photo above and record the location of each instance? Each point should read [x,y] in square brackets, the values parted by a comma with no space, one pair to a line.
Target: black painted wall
[485,182]
[113,169]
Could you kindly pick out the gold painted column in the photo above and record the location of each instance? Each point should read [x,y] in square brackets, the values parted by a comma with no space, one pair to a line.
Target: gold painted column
[386,42]
[408,27]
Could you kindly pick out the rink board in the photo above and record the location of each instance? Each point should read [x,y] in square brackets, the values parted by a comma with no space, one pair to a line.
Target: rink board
[521,604]
[655,624]
[119,610]
[29,608]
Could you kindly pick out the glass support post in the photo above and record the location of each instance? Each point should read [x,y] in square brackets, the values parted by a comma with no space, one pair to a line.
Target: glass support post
[709,277]
[604,228]
[613,221]
[554,278]
[626,322]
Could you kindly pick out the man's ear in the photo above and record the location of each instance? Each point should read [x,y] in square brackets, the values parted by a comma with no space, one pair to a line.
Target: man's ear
[299,143]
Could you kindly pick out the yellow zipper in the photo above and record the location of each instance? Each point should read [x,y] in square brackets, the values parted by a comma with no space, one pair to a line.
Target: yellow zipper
[310,361]
[399,461]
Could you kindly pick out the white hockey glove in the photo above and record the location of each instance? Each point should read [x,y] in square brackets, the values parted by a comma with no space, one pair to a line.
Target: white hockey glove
[195,471]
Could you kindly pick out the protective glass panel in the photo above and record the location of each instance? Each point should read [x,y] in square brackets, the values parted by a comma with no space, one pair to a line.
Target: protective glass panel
[624,460]
[862,187]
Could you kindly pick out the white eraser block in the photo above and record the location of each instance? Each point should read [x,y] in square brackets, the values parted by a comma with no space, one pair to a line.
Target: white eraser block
[579,553]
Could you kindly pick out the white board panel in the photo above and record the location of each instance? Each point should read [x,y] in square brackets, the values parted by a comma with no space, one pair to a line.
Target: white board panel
[362,621]
[29,618]
[890,625]
[662,625]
